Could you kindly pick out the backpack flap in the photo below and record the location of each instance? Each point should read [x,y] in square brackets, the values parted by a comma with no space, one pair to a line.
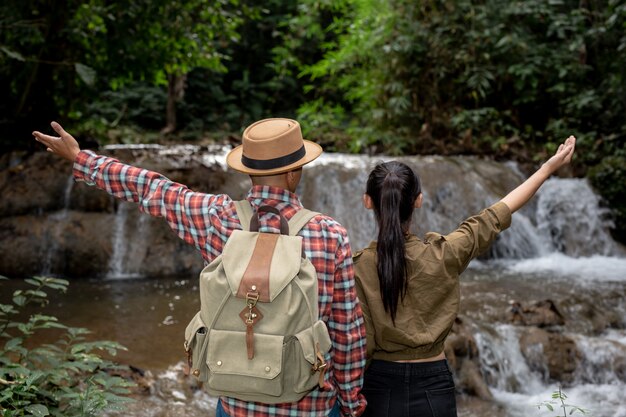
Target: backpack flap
[258,259]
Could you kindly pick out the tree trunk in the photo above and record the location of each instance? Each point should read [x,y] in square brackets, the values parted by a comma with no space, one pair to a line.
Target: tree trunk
[175,93]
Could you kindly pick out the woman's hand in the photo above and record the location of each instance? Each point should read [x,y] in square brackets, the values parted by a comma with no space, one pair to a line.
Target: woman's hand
[65,146]
[520,196]
[563,155]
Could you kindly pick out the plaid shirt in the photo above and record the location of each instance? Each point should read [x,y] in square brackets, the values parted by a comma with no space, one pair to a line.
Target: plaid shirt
[206,221]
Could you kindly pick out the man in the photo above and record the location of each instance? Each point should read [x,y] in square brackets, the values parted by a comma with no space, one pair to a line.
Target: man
[272,153]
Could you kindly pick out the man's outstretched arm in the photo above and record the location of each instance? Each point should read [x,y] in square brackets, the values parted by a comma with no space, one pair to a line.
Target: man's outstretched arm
[193,216]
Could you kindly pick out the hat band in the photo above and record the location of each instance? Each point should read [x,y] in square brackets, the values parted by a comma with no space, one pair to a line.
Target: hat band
[275,162]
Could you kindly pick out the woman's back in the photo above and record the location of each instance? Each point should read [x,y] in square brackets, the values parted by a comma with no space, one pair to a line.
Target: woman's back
[425,314]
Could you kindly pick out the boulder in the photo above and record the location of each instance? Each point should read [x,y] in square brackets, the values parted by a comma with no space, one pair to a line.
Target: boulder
[554,355]
[462,354]
[542,313]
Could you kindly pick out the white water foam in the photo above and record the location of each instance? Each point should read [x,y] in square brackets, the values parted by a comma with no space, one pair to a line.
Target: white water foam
[603,400]
[591,269]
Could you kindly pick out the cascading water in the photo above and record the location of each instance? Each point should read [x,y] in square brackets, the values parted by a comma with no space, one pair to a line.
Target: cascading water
[569,217]
[55,230]
[130,234]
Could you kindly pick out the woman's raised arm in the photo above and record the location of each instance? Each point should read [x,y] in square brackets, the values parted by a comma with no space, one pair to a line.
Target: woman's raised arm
[520,195]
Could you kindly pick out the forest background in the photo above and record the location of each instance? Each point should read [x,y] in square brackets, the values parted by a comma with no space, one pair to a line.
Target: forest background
[500,79]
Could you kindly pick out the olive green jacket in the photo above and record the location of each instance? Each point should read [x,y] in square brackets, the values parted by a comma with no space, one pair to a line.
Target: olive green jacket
[426,313]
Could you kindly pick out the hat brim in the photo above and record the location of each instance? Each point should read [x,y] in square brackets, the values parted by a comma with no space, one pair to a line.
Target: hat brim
[233,159]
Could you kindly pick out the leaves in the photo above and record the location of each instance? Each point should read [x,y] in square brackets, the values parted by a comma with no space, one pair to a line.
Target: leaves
[37,410]
[67,377]
[86,73]
[12,54]
[558,402]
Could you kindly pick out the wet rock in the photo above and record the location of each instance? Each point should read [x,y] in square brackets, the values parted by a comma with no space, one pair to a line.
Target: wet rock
[81,244]
[168,394]
[50,224]
[143,380]
[470,379]
[34,185]
[462,354]
[471,406]
[542,313]
[554,355]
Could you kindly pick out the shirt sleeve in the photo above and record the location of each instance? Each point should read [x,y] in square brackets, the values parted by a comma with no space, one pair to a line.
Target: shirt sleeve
[347,331]
[191,215]
[473,237]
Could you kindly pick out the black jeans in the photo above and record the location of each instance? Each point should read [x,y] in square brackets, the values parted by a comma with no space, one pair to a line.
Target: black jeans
[409,389]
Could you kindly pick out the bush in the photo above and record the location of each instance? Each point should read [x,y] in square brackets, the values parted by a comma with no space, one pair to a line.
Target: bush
[609,177]
[65,378]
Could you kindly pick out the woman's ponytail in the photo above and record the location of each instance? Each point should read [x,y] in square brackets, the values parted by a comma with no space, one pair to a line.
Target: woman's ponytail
[393,187]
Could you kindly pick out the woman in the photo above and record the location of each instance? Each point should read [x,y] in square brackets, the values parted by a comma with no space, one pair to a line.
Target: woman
[409,288]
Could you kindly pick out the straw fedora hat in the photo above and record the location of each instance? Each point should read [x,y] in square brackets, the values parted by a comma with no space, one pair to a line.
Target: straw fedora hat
[272,146]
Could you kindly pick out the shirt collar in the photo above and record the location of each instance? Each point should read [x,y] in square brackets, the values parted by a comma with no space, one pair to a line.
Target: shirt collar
[410,241]
[279,195]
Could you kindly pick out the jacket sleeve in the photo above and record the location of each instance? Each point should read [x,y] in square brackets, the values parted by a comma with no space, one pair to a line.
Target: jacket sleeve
[473,237]
[367,317]
[191,215]
[347,331]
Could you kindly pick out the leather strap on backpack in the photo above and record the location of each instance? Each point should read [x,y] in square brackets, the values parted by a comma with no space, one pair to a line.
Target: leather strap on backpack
[296,223]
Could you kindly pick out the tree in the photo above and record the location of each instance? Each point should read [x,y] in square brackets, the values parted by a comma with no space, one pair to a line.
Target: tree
[162,41]
[55,56]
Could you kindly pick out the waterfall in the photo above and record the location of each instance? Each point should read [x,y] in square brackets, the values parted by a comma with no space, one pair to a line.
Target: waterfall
[54,232]
[599,380]
[129,244]
[565,216]
[569,216]
[502,361]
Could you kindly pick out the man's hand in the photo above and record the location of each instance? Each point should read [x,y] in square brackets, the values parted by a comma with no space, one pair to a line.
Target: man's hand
[65,146]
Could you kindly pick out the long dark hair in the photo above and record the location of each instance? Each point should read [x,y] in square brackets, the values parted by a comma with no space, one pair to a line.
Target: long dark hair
[393,188]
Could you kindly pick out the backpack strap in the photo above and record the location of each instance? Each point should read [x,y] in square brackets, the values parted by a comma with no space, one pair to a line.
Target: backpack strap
[299,220]
[296,223]
[244,212]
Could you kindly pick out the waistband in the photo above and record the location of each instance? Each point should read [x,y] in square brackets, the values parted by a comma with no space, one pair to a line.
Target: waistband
[410,368]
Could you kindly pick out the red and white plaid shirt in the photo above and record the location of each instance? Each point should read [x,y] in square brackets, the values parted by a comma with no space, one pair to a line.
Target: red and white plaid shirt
[207,220]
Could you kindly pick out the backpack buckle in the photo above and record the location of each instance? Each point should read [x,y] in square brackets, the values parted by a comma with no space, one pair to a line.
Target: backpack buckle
[320,365]
[252,298]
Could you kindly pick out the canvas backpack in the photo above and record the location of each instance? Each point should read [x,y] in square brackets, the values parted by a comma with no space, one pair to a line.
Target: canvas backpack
[257,336]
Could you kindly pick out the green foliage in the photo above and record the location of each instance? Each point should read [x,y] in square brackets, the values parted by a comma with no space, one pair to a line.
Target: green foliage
[609,177]
[56,56]
[65,378]
[456,76]
[558,402]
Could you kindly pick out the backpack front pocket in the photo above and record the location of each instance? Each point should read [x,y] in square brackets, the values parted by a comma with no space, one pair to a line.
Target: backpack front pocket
[195,347]
[301,355]
[232,371]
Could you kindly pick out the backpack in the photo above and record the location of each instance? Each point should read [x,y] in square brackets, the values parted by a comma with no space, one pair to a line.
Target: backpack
[257,336]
